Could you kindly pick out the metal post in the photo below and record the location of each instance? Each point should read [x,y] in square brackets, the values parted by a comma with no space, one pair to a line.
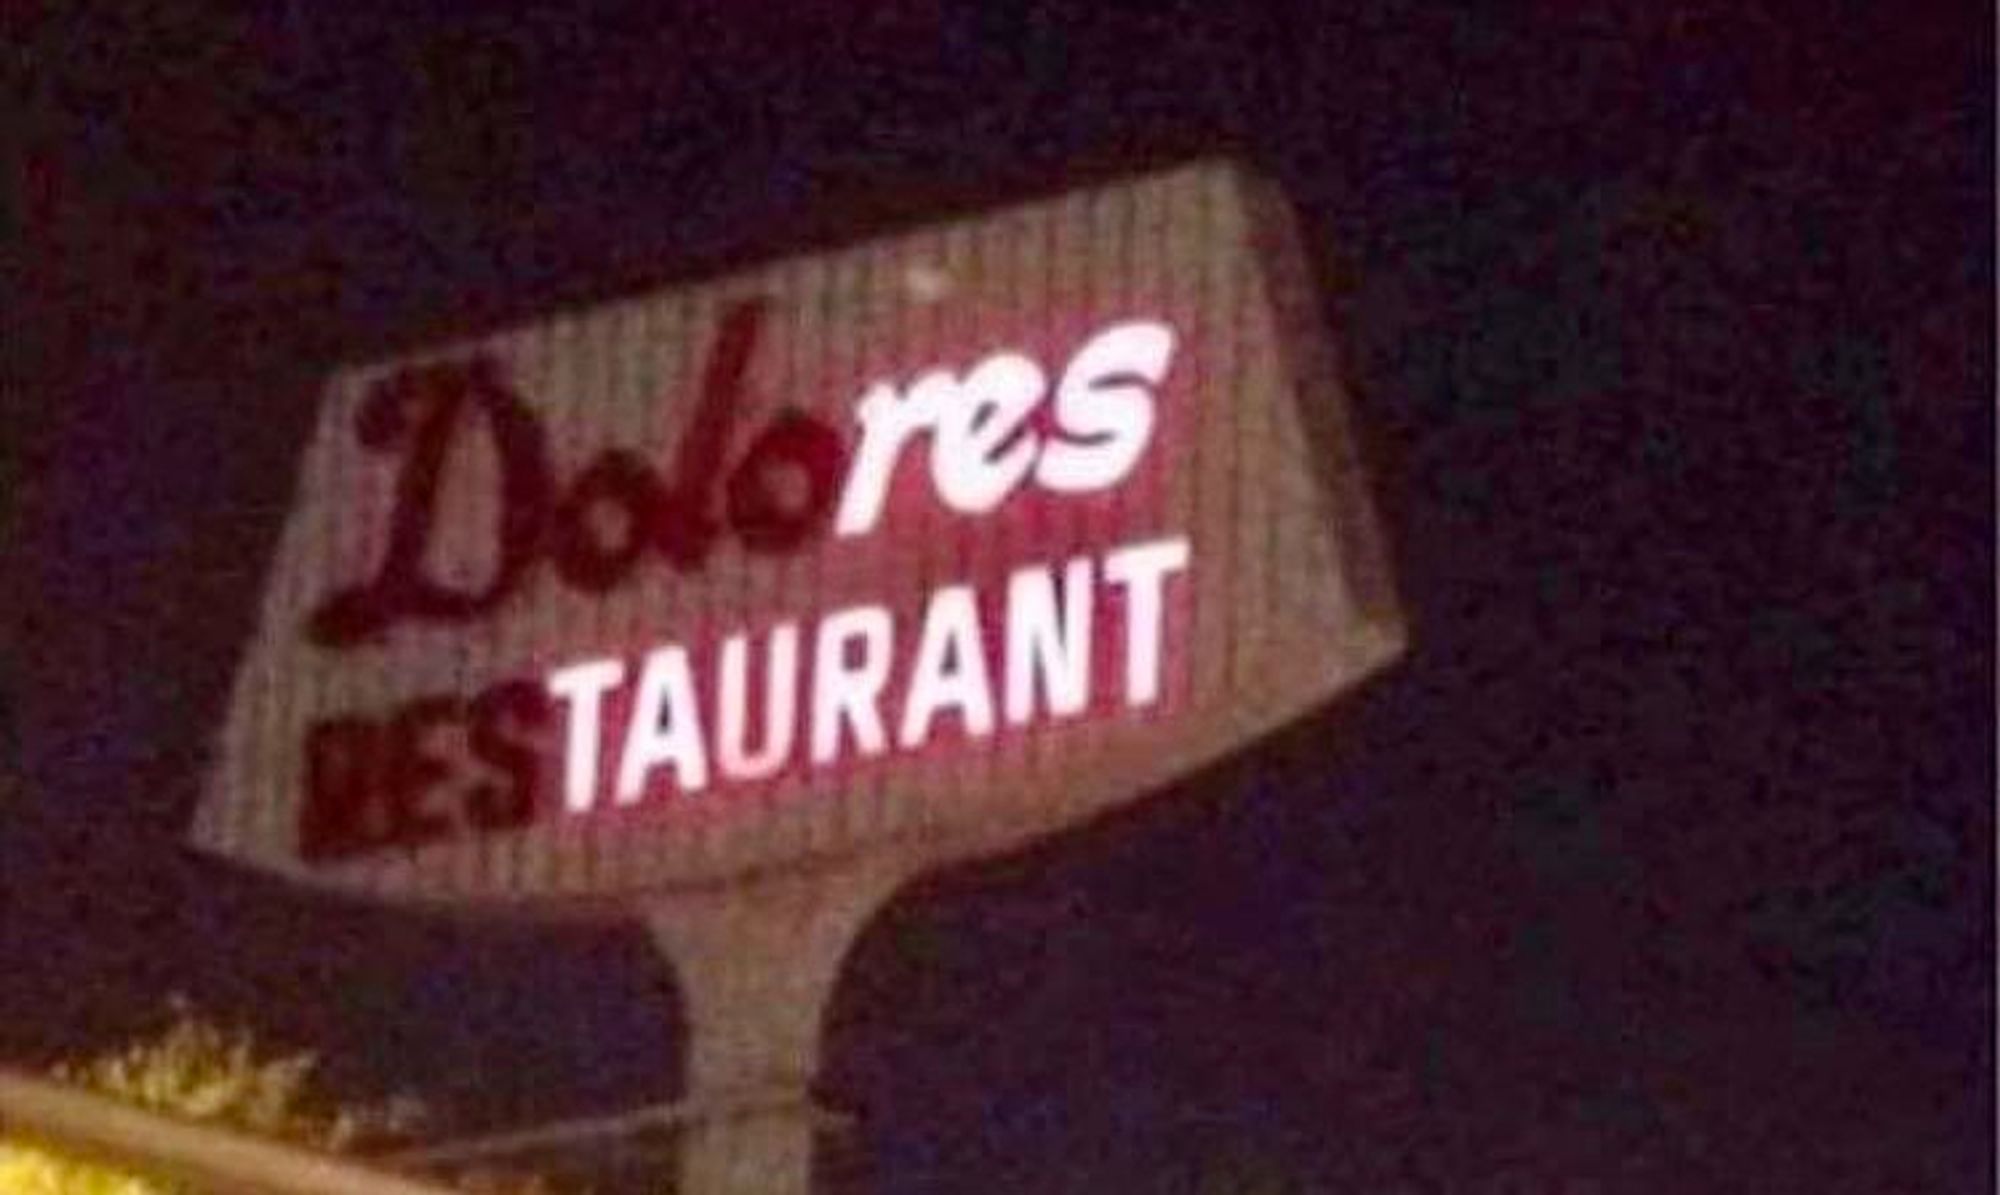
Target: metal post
[757,965]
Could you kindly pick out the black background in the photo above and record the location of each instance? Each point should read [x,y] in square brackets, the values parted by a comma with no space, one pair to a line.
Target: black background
[1663,863]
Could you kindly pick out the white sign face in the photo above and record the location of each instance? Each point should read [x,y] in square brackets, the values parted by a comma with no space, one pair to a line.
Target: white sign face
[926,546]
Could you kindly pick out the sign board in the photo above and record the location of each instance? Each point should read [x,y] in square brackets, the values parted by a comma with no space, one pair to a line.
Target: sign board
[928,545]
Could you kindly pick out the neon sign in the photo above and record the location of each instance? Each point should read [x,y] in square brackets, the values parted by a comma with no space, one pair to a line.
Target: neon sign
[865,687]
[894,552]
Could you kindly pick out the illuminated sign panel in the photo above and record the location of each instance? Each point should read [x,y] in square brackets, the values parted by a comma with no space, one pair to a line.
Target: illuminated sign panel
[928,545]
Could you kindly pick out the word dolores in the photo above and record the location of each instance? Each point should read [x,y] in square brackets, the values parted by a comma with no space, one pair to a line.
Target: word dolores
[865,687]
[984,445]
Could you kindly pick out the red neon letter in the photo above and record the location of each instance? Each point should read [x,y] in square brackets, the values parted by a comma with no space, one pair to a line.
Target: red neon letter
[503,719]
[428,406]
[342,813]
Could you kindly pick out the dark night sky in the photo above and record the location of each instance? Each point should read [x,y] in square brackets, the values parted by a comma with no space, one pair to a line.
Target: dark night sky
[1664,861]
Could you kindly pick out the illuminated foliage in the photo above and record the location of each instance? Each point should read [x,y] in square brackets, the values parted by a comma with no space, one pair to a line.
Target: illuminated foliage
[203,1072]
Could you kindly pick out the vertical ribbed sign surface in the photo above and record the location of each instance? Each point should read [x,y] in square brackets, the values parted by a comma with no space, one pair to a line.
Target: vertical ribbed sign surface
[928,545]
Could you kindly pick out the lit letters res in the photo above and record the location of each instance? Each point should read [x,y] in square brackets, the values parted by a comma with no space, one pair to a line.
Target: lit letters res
[981,446]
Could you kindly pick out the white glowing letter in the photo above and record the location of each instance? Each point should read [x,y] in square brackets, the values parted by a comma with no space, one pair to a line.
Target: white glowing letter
[781,705]
[665,728]
[1104,406]
[1141,571]
[888,420]
[950,669]
[1040,641]
[846,690]
[980,453]
[582,688]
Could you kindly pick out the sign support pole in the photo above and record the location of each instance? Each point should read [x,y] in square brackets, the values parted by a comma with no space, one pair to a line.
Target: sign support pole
[757,965]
